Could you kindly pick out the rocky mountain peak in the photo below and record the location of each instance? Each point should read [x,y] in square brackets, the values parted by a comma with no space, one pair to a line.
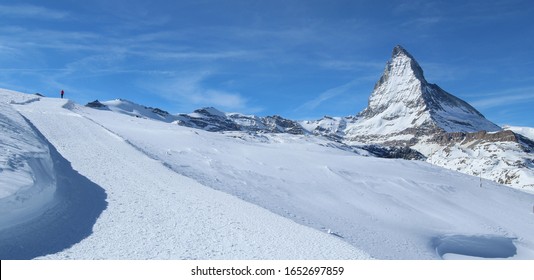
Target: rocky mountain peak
[399,50]
[401,65]
[401,59]
[403,102]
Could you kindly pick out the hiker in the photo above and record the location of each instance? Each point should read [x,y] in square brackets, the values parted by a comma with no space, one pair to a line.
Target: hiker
[62,92]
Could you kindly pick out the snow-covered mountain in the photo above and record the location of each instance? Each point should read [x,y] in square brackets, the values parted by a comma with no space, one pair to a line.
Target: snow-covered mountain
[403,108]
[208,118]
[134,186]
[404,103]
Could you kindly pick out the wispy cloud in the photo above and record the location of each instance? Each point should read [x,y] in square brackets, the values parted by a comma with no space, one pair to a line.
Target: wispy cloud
[423,21]
[337,64]
[22,38]
[31,11]
[192,90]
[327,95]
[214,55]
[507,97]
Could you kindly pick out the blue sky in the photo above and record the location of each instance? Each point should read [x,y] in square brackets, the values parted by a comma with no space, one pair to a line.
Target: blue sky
[299,59]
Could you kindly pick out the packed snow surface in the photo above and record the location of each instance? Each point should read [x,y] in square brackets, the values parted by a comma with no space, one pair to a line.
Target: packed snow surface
[150,211]
[164,191]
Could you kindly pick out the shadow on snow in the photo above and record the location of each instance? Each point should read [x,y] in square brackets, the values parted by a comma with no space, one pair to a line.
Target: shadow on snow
[78,204]
[482,246]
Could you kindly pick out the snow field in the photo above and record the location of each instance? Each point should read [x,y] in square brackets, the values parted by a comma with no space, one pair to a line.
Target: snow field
[155,213]
[392,209]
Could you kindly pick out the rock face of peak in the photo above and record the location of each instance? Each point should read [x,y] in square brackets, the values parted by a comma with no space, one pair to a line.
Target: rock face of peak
[404,103]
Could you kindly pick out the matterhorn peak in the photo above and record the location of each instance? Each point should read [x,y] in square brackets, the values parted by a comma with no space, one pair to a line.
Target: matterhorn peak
[401,83]
[403,103]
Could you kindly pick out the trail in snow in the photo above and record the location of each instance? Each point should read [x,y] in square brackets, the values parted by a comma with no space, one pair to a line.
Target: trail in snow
[155,213]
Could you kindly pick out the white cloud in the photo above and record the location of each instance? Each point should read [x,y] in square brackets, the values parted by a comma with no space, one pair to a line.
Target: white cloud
[31,11]
[201,55]
[508,97]
[327,95]
[338,64]
[192,89]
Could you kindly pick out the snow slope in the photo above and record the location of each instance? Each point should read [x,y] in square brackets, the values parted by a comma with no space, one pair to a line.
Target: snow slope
[503,162]
[136,188]
[130,108]
[155,213]
[392,209]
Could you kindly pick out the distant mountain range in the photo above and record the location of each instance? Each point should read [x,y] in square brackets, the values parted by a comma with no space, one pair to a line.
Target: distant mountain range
[407,117]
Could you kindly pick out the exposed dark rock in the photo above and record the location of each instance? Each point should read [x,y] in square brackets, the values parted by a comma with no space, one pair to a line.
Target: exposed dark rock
[394,152]
[159,111]
[95,104]
[278,124]
[464,137]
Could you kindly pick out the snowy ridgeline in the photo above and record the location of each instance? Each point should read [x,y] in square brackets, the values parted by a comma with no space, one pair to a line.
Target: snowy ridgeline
[525,131]
[189,194]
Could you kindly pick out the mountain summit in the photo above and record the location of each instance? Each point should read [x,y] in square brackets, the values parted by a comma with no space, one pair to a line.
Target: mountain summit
[404,103]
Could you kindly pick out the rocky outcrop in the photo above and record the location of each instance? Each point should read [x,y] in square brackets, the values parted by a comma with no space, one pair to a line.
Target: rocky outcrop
[211,119]
[277,124]
[95,104]
[464,137]
[393,152]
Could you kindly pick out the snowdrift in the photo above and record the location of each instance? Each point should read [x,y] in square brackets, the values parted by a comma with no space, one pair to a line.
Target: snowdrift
[28,177]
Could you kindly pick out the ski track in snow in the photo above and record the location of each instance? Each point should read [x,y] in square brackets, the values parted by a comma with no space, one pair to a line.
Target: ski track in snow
[155,213]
